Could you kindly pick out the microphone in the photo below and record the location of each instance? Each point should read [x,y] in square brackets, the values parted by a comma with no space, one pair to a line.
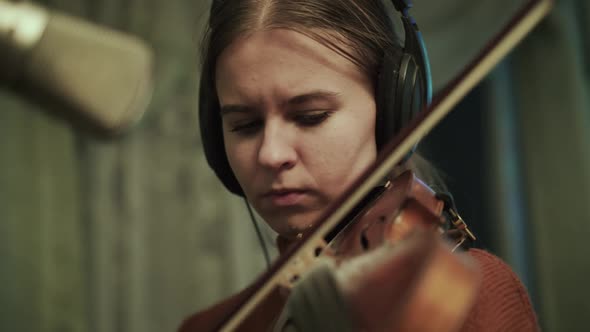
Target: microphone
[94,73]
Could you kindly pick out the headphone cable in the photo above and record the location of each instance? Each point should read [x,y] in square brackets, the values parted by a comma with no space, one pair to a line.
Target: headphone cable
[259,233]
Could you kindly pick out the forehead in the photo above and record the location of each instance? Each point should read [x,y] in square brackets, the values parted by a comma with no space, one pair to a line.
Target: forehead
[279,63]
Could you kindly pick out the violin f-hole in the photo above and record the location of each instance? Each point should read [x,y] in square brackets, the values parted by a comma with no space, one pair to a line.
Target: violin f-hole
[364,240]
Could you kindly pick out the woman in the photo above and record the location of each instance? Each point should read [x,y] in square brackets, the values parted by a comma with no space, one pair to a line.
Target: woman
[289,120]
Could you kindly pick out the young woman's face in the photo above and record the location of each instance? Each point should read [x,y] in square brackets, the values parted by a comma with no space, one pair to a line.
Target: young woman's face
[298,124]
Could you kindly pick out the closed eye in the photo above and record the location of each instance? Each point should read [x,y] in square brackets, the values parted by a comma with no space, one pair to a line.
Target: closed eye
[246,127]
[250,126]
[312,118]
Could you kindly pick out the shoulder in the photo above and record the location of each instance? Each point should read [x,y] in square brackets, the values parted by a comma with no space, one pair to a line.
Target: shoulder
[503,302]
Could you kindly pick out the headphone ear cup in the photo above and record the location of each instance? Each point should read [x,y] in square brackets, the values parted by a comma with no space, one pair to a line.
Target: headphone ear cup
[385,97]
[399,96]
[212,138]
[410,95]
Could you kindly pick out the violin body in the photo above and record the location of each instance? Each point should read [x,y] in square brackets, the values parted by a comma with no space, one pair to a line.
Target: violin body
[393,288]
[392,266]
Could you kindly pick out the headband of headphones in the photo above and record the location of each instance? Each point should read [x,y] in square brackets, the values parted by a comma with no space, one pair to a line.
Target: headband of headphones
[403,89]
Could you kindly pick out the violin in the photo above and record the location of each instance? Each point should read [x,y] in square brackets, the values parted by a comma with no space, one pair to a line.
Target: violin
[385,247]
[402,225]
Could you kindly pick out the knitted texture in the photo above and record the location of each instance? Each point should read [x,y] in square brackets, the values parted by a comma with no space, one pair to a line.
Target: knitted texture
[502,304]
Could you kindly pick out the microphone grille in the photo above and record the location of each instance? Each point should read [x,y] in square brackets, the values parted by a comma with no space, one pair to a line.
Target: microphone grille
[104,74]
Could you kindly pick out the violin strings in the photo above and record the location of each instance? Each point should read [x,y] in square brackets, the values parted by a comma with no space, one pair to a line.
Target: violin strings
[260,239]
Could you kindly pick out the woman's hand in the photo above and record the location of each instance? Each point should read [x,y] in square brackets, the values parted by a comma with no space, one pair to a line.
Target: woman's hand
[417,284]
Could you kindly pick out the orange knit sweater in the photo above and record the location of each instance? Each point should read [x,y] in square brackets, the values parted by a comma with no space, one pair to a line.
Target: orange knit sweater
[502,303]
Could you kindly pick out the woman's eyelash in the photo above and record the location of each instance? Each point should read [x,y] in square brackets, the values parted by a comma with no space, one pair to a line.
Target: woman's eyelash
[304,119]
[247,127]
[312,118]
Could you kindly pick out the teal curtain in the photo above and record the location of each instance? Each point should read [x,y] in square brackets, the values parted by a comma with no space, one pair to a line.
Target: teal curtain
[552,113]
[533,150]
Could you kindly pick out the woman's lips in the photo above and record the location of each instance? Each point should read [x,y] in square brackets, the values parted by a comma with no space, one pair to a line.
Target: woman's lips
[284,198]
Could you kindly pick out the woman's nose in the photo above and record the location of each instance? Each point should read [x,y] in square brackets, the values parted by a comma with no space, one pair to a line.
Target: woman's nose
[277,149]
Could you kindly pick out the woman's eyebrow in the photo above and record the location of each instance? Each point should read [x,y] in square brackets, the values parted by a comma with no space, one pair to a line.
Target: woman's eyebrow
[233,108]
[313,96]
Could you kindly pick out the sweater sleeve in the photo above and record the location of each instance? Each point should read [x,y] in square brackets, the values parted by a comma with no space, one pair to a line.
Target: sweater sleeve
[502,304]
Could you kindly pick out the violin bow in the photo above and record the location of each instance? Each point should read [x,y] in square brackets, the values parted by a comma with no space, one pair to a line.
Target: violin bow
[288,267]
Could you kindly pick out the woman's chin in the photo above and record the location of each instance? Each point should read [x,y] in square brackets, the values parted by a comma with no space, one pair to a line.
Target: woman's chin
[290,226]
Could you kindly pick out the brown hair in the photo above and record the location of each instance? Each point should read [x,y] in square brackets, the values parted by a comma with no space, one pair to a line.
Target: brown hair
[342,25]
[359,30]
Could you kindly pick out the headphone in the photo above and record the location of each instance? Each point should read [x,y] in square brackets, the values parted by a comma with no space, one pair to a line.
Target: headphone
[404,88]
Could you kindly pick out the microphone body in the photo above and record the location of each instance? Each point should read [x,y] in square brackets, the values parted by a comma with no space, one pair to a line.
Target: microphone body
[102,75]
